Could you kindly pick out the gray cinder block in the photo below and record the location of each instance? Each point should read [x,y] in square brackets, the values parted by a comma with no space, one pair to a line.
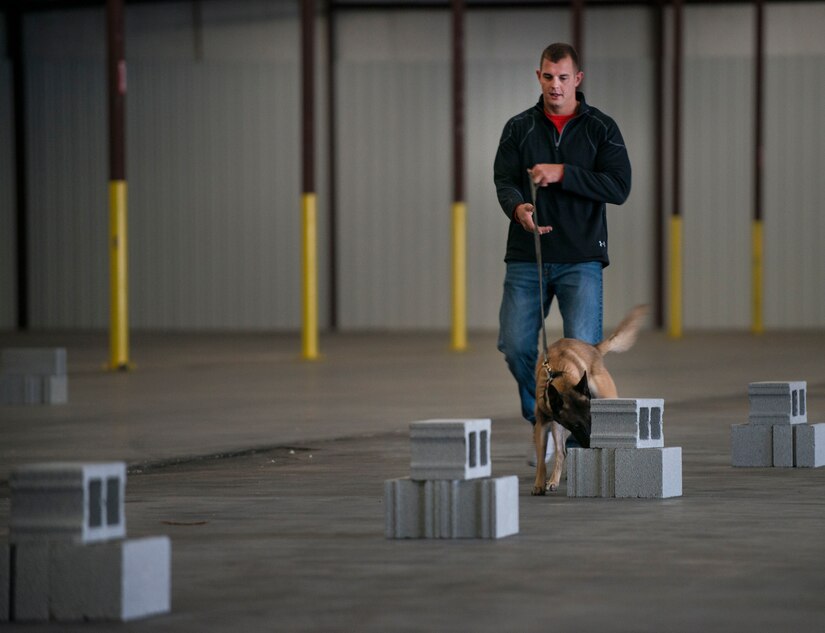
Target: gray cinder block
[591,472]
[473,508]
[653,473]
[778,402]
[43,361]
[627,423]
[751,445]
[809,445]
[450,449]
[783,445]
[116,580]
[29,582]
[5,580]
[68,501]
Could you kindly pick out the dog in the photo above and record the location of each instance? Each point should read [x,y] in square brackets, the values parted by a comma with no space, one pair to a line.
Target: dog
[574,373]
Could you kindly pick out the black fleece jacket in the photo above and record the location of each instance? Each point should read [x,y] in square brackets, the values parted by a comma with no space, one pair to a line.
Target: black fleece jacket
[596,171]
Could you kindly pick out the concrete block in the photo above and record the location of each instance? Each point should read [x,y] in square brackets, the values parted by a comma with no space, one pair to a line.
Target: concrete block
[29,579]
[117,580]
[751,445]
[778,402]
[5,580]
[591,472]
[471,508]
[649,472]
[21,389]
[43,361]
[809,445]
[450,449]
[783,441]
[67,501]
[55,389]
[627,423]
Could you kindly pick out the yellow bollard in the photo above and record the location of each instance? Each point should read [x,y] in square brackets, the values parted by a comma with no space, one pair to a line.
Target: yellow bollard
[675,329]
[309,293]
[459,294]
[118,278]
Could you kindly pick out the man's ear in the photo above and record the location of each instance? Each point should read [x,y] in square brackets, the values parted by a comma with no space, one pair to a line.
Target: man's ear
[582,387]
[552,398]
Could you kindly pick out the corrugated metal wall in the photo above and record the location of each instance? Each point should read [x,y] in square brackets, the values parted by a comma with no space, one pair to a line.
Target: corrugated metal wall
[214,163]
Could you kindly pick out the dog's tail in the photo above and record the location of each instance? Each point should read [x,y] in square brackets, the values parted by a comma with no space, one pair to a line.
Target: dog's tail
[623,338]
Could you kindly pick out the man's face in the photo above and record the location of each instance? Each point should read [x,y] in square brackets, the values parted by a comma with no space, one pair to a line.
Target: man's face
[559,81]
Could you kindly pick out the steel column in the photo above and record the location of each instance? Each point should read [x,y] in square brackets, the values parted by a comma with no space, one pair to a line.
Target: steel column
[676,214]
[757,321]
[459,211]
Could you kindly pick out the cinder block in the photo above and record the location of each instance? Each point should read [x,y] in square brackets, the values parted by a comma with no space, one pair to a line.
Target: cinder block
[783,441]
[627,423]
[751,445]
[55,389]
[809,445]
[68,501]
[5,580]
[43,361]
[778,402]
[29,580]
[21,389]
[450,449]
[117,580]
[591,472]
[649,472]
[473,508]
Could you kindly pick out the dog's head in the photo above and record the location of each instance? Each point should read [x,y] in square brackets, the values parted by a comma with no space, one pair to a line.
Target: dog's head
[571,409]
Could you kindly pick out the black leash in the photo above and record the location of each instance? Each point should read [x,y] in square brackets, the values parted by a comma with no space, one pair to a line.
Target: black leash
[537,241]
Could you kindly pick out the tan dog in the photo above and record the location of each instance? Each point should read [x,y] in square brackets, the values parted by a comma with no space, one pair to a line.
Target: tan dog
[576,370]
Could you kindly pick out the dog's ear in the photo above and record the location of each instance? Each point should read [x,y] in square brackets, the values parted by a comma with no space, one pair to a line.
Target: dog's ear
[582,387]
[552,398]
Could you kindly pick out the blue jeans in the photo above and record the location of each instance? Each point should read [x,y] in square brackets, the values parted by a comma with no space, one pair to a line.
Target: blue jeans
[578,288]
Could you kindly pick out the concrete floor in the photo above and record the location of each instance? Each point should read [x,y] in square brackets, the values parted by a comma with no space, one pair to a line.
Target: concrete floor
[266,471]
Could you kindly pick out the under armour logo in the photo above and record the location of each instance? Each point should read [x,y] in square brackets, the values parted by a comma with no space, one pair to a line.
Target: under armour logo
[602,244]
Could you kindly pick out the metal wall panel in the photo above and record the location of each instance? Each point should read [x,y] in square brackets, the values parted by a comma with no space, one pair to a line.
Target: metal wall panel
[8,250]
[795,193]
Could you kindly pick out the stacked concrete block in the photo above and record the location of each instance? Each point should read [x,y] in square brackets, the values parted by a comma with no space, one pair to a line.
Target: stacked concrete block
[68,558]
[778,433]
[33,376]
[450,493]
[627,456]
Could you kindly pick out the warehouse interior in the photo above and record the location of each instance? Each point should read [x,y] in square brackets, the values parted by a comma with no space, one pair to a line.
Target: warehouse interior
[259,439]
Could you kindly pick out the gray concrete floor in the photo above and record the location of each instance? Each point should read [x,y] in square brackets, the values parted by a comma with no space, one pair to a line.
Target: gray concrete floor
[266,471]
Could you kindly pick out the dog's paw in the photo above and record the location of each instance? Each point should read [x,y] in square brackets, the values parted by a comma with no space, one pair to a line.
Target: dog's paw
[537,491]
[551,486]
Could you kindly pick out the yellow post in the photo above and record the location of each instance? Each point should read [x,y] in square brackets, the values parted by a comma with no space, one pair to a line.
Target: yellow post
[309,294]
[758,325]
[675,329]
[459,294]
[118,294]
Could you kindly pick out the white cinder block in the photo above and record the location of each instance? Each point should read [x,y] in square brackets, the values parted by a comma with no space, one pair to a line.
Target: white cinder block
[68,501]
[43,361]
[5,580]
[117,580]
[649,472]
[809,445]
[627,423]
[450,449]
[474,508]
[29,582]
[783,440]
[751,445]
[591,472]
[778,402]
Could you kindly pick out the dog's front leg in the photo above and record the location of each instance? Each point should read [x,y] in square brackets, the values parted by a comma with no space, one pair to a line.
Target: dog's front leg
[540,440]
[558,458]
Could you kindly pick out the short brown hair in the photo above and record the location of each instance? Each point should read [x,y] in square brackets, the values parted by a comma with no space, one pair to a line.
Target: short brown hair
[557,52]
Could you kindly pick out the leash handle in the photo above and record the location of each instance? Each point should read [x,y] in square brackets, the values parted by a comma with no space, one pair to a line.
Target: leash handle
[537,244]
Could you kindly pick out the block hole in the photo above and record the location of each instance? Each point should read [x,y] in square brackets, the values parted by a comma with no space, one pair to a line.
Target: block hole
[95,503]
[656,423]
[113,501]
[644,423]
[794,402]
[471,446]
[484,444]
[802,396]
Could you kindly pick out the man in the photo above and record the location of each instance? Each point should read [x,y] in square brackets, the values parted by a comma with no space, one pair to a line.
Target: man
[576,156]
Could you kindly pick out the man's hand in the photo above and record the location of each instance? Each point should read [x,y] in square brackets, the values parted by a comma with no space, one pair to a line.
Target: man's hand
[544,174]
[524,216]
